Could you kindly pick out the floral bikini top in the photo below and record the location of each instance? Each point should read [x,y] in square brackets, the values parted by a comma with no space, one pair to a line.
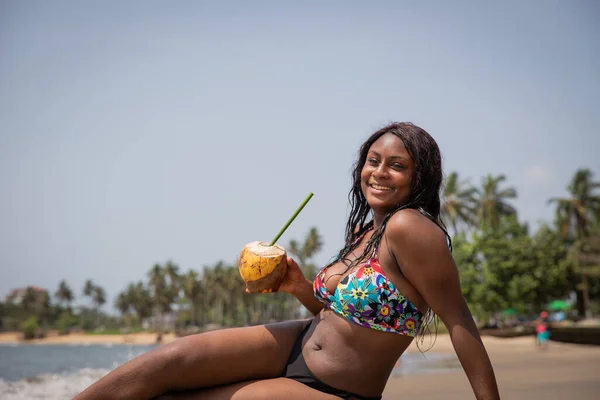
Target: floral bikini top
[368,298]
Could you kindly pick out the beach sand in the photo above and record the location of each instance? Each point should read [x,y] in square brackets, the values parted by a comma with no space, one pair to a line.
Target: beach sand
[563,371]
[83,338]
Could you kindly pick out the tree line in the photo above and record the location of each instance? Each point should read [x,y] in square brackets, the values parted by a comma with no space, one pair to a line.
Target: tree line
[501,263]
[32,310]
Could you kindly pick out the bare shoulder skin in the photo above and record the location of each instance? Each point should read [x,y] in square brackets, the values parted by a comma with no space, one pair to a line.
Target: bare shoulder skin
[421,252]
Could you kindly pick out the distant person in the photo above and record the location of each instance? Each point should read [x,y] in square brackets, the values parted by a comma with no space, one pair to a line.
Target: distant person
[542,330]
[393,275]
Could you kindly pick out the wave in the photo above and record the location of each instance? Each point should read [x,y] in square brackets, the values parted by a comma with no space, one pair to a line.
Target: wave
[50,386]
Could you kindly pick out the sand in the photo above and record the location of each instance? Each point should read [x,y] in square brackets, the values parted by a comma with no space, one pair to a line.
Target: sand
[563,371]
[83,338]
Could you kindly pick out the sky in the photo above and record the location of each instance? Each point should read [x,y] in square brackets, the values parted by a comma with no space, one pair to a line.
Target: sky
[136,133]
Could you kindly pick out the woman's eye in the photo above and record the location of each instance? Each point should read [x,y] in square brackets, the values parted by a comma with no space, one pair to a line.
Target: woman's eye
[397,166]
[373,161]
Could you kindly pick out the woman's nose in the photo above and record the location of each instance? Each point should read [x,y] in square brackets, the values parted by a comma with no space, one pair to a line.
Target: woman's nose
[381,171]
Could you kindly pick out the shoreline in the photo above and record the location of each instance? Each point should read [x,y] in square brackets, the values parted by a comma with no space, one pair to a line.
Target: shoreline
[141,338]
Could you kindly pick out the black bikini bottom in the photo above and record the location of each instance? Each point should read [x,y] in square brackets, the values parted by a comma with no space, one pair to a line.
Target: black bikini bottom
[297,370]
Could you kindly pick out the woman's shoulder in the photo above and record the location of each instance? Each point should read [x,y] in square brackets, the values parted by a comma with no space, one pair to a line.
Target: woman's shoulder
[419,246]
[411,227]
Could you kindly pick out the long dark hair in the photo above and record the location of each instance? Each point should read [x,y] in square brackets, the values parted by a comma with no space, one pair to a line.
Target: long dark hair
[425,191]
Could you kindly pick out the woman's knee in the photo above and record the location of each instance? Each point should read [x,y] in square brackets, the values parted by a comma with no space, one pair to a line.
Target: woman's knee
[174,353]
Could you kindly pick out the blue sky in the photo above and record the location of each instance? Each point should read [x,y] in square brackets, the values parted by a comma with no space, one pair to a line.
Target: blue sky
[132,134]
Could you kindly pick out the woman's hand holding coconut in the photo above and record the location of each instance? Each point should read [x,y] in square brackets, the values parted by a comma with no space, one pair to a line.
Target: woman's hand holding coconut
[267,269]
[294,279]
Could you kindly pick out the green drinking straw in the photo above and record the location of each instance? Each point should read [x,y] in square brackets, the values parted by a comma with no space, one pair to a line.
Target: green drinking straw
[311,194]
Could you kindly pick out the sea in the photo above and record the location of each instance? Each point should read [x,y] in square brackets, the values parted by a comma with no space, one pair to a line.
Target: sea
[58,372]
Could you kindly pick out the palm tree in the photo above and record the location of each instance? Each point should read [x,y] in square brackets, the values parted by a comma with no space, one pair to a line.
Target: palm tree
[98,298]
[123,303]
[44,308]
[575,214]
[88,291]
[585,256]
[171,271]
[88,288]
[192,291]
[219,294]
[222,294]
[458,206]
[303,253]
[141,301]
[237,288]
[233,290]
[30,301]
[158,291]
[491,202]
[64,294]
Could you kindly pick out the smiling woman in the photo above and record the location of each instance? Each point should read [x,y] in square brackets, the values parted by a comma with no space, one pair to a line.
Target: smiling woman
[386,176]
[393,274]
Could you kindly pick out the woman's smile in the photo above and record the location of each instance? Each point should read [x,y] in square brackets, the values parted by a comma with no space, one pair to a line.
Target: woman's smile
[380,189]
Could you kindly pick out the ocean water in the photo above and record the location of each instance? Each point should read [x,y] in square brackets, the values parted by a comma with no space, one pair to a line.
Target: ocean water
[57,372]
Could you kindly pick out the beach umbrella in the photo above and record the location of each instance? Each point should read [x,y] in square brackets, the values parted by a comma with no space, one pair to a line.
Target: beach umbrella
[557,305]
[510,312]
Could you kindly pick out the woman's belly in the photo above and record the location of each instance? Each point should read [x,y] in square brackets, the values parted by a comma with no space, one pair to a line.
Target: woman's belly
[351,357]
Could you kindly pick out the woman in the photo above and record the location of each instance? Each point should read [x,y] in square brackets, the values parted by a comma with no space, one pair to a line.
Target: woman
[385,285]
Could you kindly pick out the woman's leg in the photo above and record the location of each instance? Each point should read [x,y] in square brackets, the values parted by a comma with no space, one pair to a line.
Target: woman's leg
[268,389]
[200,361]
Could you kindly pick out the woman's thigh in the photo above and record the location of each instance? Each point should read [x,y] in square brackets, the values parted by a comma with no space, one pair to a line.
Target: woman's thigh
[202,361]
[234,355]
[268,389]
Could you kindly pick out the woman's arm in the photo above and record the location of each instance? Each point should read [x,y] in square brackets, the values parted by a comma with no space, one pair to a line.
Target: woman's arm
[296,284]
[420,249]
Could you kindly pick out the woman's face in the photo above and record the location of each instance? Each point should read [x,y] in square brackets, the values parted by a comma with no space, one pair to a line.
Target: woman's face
[387,174]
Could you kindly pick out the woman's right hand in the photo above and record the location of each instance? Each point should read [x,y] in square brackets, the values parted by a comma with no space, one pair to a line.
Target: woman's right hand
[293,278]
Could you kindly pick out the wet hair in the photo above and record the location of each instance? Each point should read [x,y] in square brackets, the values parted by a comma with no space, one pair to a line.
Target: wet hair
[425,193]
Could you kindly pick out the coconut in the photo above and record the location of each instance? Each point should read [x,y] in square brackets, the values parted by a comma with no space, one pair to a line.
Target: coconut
[262,266]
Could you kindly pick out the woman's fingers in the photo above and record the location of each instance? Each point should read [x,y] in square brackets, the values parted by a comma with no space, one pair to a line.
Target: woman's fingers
[292,263]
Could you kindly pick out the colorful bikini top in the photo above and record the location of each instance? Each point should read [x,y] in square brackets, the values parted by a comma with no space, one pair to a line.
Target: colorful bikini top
[368,298]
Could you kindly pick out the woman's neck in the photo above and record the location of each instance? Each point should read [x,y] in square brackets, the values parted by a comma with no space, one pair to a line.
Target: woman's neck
[378,219]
